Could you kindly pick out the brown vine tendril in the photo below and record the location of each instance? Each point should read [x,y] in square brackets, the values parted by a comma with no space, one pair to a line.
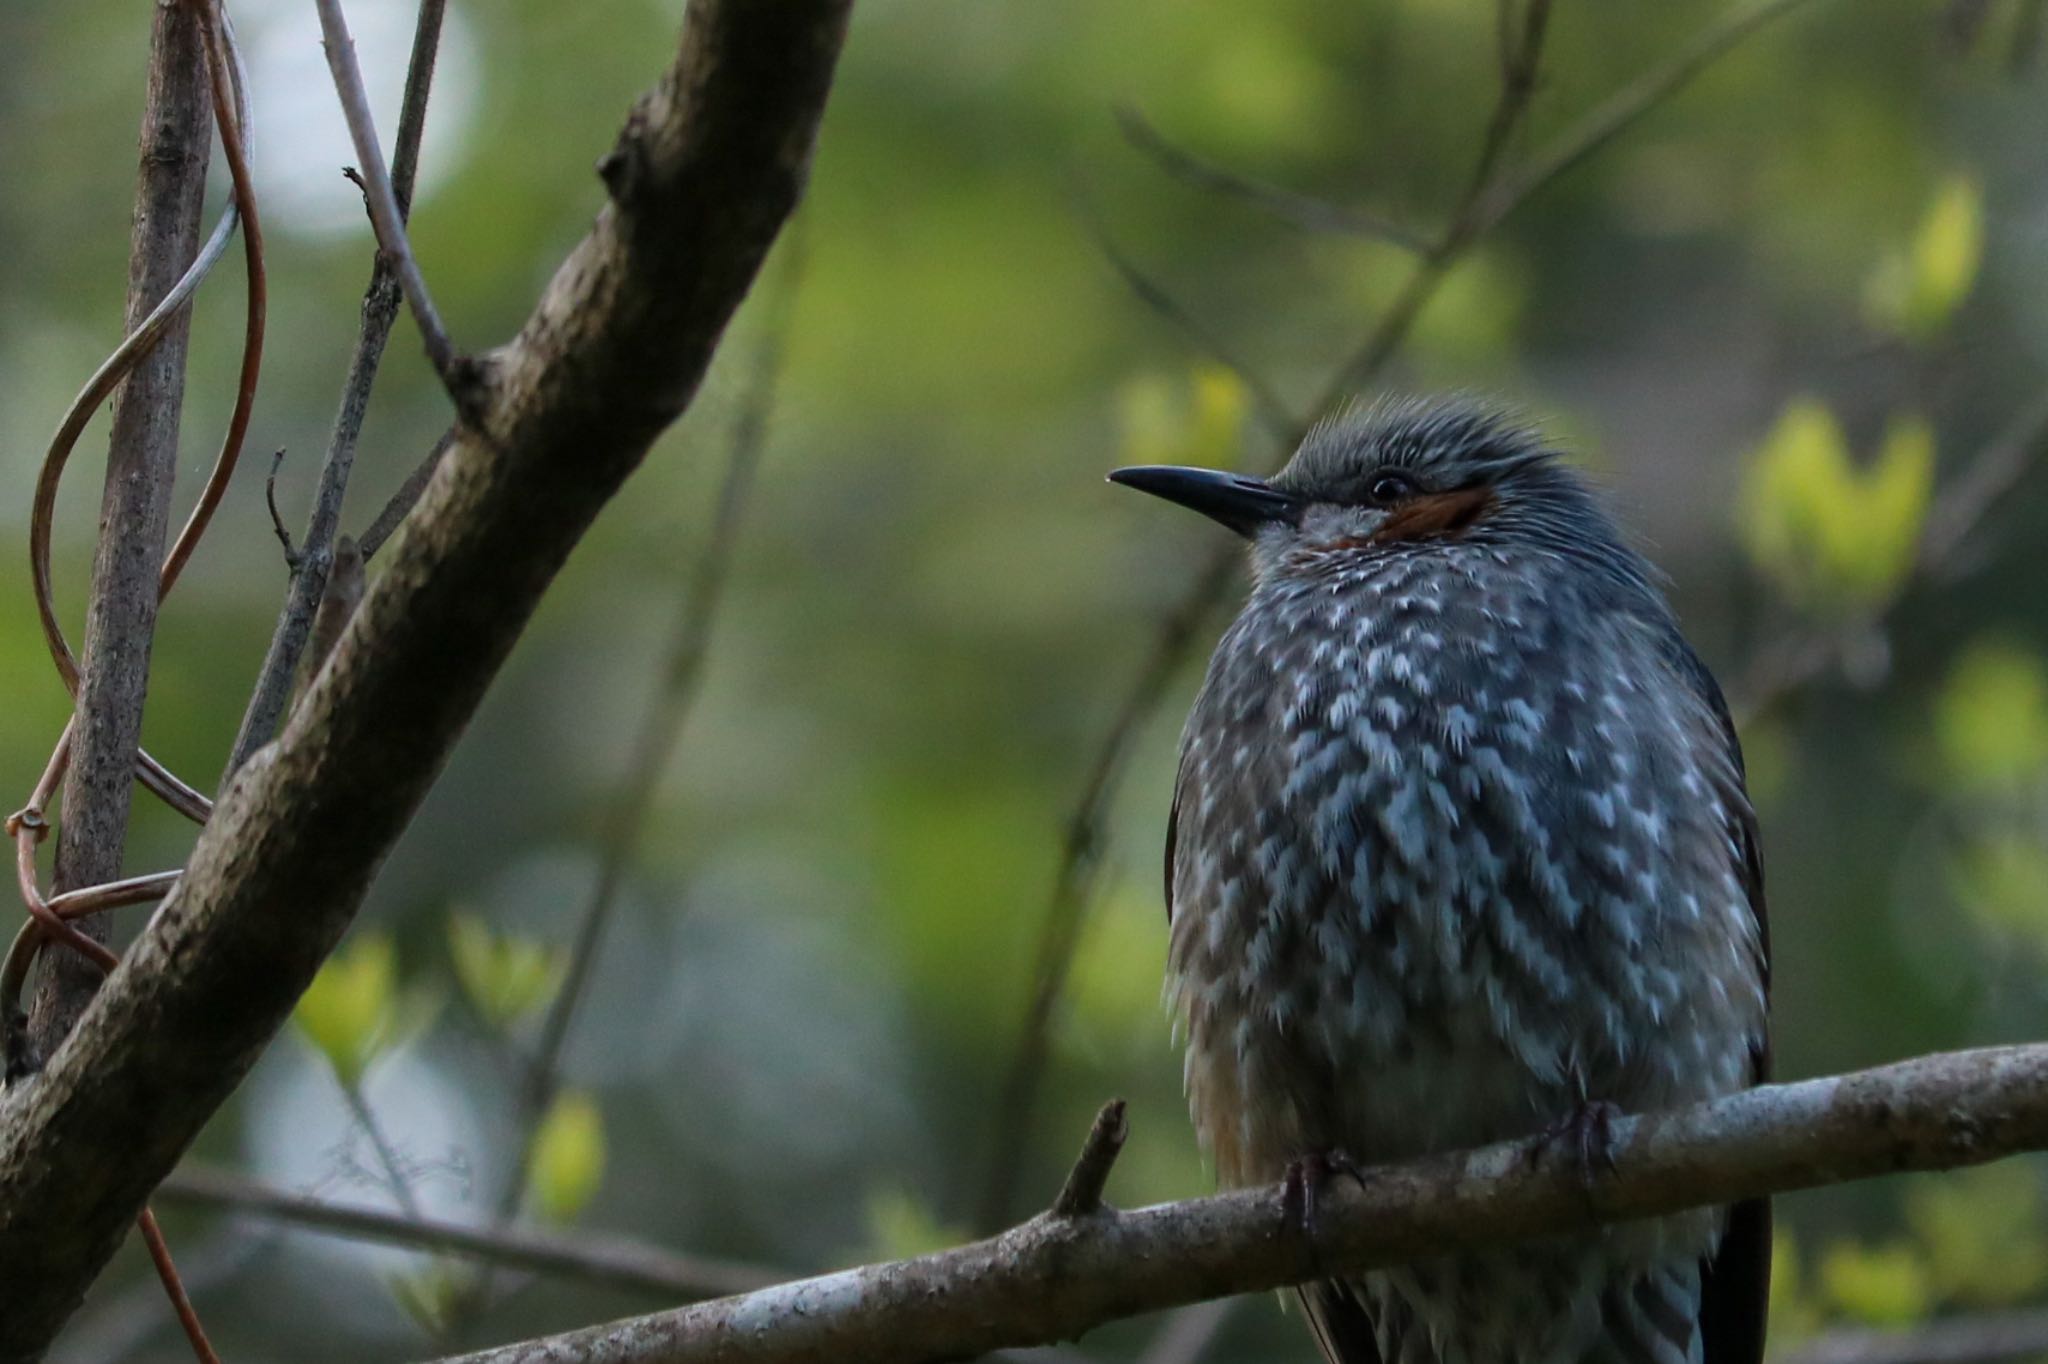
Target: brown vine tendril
[49,918]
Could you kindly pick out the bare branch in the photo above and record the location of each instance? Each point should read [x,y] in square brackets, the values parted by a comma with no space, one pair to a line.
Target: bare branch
[1304,211]
[701,181]
[661,728]
[142,457]
[315,560]
[403,500]
[1271,409]
[613,1261]
[386,212]
[1056,1277]
[1081,1195]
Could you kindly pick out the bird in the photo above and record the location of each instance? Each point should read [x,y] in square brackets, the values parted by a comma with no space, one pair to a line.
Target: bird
[1461,852]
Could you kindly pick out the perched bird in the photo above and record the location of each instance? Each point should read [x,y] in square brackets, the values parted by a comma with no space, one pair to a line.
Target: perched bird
[1460,853]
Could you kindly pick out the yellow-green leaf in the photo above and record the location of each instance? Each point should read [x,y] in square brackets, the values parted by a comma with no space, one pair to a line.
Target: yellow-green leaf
[1831,536]
[349,1010]
[504,978]
[1991,718]
[432,1296]
[568,1157]
[1982,1233]
[1915,291]
[1883,1285]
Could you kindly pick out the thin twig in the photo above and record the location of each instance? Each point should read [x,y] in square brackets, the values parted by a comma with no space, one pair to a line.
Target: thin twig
[387,215]
[613,1261]
[1304,211]
[662,726]
[315,559]
[1081,1195]
[1054,1278]
[1272,410]
[1489,201]
[174,1287]
[394,512]
[395,1177]
[284,537]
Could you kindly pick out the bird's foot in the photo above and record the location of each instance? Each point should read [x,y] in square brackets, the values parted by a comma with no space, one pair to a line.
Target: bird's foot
[1585,1135]
[1302,1186]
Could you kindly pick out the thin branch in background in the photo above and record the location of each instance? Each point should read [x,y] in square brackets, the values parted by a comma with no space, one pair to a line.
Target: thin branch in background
[1055,1278]
[662,726]
[387,212]
[396,1177]
[315,559]
[181,1303]
[1978,1339]
[394,512]
[1272,411]
[1189,1332]
[1489,201]
[284,537]
[1304,211]
[1074,884]
[611,1261]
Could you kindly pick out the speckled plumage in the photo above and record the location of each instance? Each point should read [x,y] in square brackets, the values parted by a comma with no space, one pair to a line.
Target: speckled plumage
[1460,843]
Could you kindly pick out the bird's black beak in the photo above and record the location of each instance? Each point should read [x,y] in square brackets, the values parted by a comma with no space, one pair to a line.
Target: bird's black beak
[1244,504]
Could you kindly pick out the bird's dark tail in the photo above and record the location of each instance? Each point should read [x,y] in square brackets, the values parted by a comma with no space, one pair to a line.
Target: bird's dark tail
[1337,1317]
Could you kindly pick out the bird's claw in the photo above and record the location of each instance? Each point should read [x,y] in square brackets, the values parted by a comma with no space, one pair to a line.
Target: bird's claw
[1586,1134]
[1301,1188]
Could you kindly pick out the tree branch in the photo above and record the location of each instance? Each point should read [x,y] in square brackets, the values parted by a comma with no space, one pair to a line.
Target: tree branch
[1054,1277]
[315,559]
[706,171]
[120,622]
[613,1261]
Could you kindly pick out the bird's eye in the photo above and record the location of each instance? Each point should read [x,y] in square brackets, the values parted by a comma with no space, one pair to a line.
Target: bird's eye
[1388,488]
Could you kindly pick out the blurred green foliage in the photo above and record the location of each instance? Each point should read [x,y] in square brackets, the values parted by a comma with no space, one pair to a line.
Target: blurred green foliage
[350,1011]
[1830,536]
[503,977]
[1915,290]
[1771,317]
[568,1157]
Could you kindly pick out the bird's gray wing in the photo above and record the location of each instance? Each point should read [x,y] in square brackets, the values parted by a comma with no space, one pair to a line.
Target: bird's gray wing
[1735,1281]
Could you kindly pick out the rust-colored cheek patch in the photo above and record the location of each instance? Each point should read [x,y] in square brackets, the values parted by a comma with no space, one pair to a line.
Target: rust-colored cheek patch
[1422,517]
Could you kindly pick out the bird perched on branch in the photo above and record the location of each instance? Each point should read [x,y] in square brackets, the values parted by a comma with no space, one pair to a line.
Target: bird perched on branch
[1460,853]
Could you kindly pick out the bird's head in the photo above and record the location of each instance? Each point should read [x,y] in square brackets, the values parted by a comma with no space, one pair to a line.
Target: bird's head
[1390,475]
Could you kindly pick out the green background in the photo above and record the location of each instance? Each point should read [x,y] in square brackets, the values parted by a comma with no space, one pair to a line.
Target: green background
[815,980]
